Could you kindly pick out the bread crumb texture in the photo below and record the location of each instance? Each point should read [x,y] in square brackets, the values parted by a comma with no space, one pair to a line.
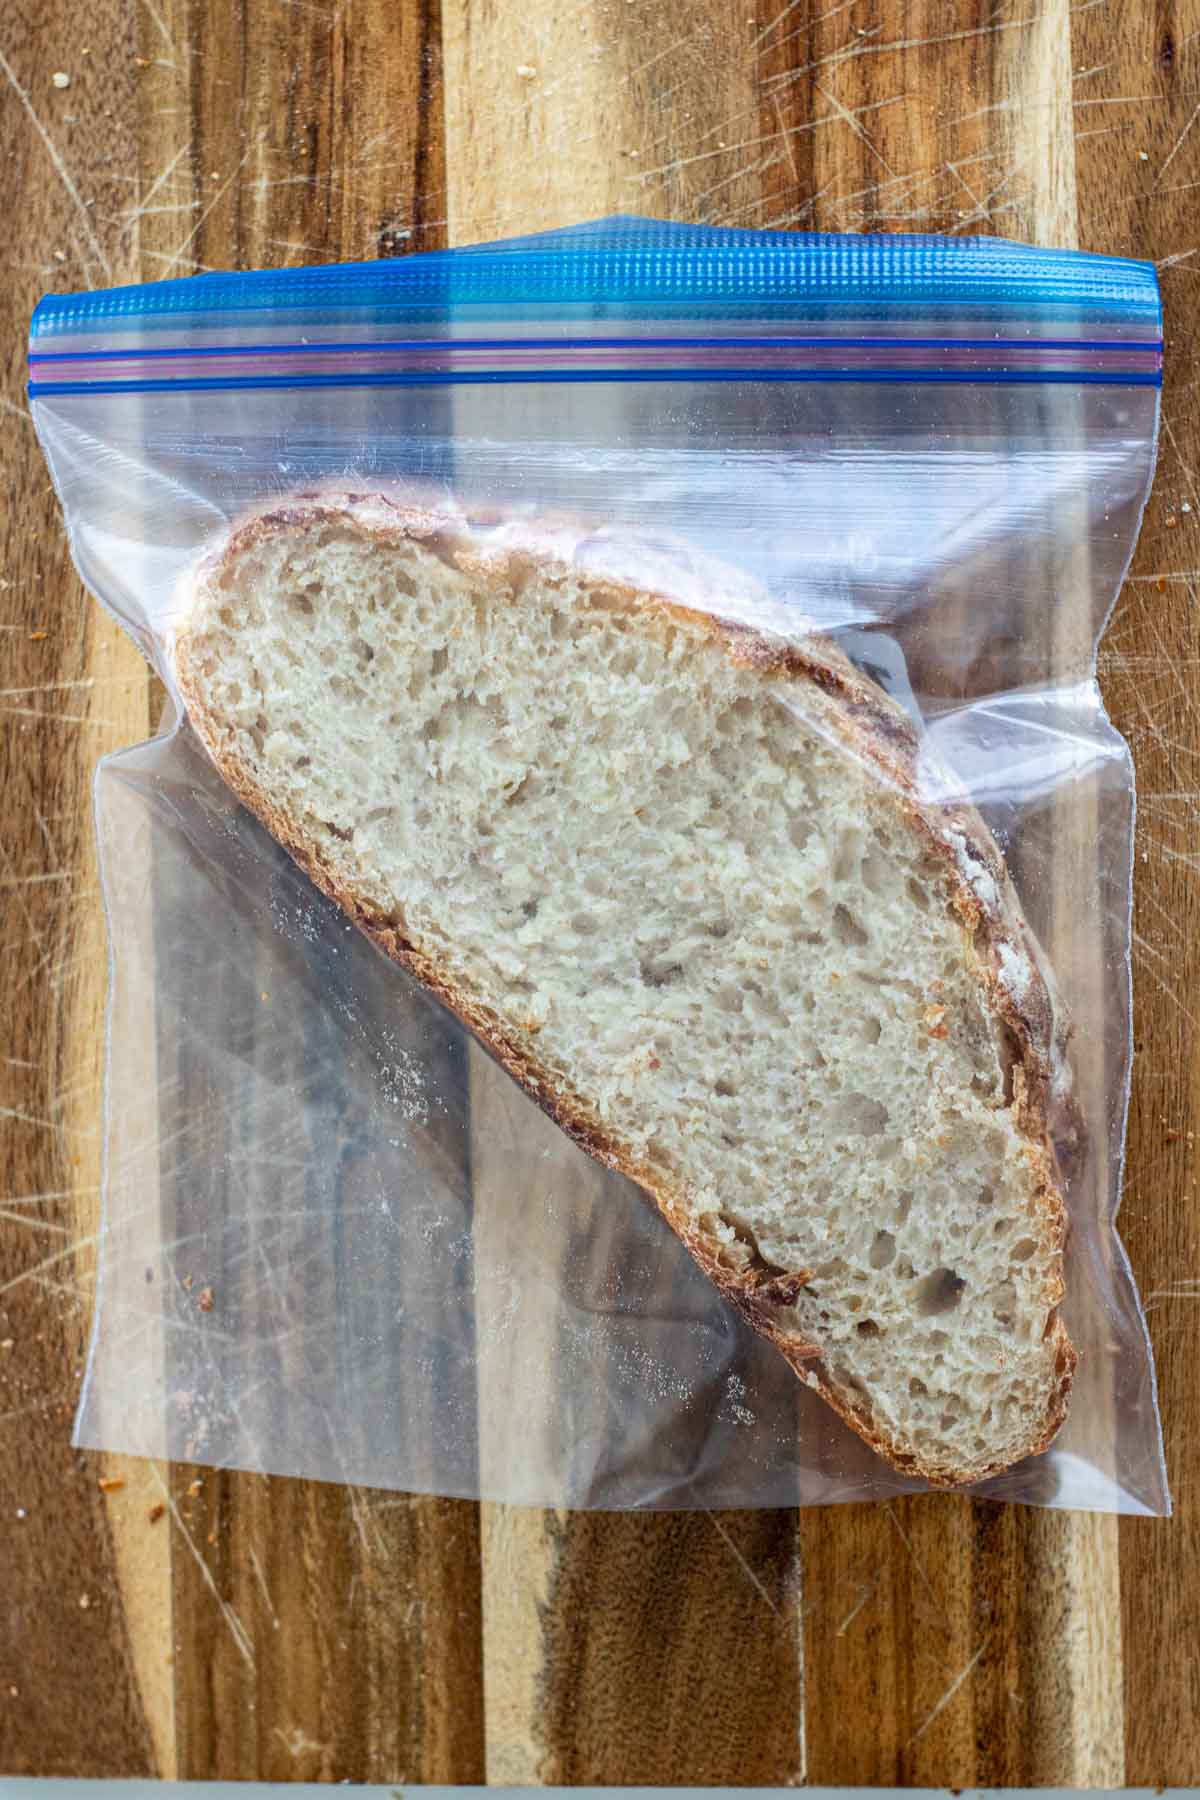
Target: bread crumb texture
[712,938]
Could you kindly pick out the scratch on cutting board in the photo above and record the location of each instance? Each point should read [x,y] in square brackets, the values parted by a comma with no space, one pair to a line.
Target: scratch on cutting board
[60,167]
[23,1118]
[133,213]
[1179,1290]
[262,1582]
[872,45]
[179,252]
[57,718]
[49,1195]
[946,1698]
[237,1630]
[741,1560]
[771,137]
[1179,143]
[774,24]
[160,22]
[913,1557]
[365,1526]
[1188,471]
[868,1589]
[860,131]
[34,1224]
[1159,981]
[294,1739]
[169,209]
[50,1262]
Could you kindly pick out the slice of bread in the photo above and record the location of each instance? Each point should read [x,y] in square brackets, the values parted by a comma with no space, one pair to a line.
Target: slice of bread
[678,876]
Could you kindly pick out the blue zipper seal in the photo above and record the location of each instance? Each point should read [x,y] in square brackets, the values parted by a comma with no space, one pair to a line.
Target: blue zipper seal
[626,269]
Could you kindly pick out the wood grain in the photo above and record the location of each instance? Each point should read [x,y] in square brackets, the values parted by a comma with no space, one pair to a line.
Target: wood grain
[326,1632]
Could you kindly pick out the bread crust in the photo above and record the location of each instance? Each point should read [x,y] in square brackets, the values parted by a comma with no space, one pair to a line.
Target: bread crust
[1008,964]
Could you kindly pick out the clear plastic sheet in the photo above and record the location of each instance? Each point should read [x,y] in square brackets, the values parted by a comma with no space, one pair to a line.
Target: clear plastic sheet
[338,1241]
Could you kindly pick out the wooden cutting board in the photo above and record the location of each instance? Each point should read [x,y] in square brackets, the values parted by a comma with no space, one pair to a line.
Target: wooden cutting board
[206,1624]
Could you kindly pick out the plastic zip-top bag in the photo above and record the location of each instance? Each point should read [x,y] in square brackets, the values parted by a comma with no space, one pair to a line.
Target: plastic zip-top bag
[620,952]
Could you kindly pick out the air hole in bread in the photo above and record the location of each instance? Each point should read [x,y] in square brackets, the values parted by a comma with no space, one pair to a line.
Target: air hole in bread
[724,1087]
[868,1328]
[1004,1302]
[857,1115]
[659,975]
[1023,1249]
[846,928]
[1010,1056]
[845,862]
[939,1292]
[877,874]
[882,1250]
